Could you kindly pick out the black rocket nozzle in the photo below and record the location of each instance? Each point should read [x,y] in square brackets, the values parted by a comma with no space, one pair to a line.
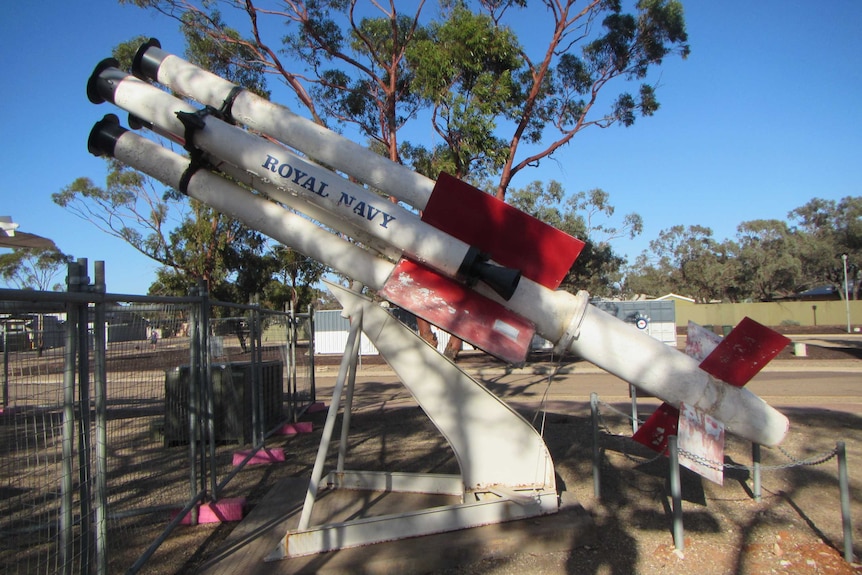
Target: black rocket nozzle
[103,80]
[104,135]
[475,267]
[147,60]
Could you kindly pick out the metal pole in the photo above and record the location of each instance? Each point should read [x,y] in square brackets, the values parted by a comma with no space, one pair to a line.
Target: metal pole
[348,405]
[633,391]
[329,426]
[597,460]
[846,292]
[100,347]
[675,493]
[258,370]
[755,458]
[313,398]
[293,332]
[194,412]
[69,372]
[85,423]
[208,387]
[5,367]
[844,485]
[256,423]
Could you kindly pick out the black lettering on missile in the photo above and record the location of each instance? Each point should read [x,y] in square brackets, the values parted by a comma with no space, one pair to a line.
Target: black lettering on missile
[296,175]
[303,180]
[365,210]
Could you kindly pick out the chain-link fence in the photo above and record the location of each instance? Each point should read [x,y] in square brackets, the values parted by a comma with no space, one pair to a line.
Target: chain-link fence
[101,396]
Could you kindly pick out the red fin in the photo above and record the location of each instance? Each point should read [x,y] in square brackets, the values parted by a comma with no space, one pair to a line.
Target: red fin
[512,238]
[460,311]
[661,424]
[744,352]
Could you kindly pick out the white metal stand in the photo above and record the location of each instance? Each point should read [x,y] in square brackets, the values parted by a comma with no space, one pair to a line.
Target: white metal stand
[506,469]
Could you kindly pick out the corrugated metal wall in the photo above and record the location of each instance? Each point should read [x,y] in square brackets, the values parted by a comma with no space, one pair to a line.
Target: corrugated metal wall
[330,334]
[660,316]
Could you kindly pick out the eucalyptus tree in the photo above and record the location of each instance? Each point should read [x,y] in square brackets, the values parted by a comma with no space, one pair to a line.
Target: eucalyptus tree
[592,47]
[830,229]
[768,261]
[33,268]
[686,260]
[587,215]
[494,98]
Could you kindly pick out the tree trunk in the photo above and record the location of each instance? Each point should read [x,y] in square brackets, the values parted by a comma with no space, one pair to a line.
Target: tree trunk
[425,331]
[453,348]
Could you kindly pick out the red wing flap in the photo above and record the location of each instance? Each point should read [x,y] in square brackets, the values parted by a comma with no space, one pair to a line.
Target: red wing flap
[661,424]
[512,238]
[460,311]
[744,352]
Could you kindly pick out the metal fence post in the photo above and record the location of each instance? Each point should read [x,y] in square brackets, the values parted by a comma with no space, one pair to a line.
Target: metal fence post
[194,404]
[66,542]
[5,367]
[292,389]
[84,421]
[209,392]
[676,493]
[755,458]
[256,388]
[844,486]
[597,460]
[100,488]
[311,352]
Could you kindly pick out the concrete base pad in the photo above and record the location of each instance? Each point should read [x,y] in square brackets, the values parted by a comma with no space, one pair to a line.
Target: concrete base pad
[265,526]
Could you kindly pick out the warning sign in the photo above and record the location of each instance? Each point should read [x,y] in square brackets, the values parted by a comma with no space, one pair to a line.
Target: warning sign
[701,443]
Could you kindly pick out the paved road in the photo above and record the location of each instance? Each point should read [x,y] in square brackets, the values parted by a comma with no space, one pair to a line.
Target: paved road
[835,385]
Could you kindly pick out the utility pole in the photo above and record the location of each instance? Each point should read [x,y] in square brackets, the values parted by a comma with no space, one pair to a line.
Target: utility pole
[846,292]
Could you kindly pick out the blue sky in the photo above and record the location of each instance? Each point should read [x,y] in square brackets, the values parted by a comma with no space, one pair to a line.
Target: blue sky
[763,116]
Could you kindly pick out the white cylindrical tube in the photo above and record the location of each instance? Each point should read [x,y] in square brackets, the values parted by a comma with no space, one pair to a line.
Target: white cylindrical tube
[309,209]
[319,143]
[624,351]
[254,211]
[635,357]
[367,211]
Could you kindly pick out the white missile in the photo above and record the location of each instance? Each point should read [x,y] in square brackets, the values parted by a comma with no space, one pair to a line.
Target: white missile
[281,170]
[443,275]
[320,144]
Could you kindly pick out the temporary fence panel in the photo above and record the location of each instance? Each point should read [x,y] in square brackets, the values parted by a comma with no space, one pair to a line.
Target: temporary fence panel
[147,475]
[91,474]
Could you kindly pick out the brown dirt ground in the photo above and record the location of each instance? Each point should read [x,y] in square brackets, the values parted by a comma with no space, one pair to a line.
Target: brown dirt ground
[796,528]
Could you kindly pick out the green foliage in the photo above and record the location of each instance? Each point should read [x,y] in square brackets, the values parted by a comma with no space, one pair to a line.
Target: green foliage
[464,69]
[583,215]
[832,228]
[35,269]
[376,66]
[290,279]
[770,259]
